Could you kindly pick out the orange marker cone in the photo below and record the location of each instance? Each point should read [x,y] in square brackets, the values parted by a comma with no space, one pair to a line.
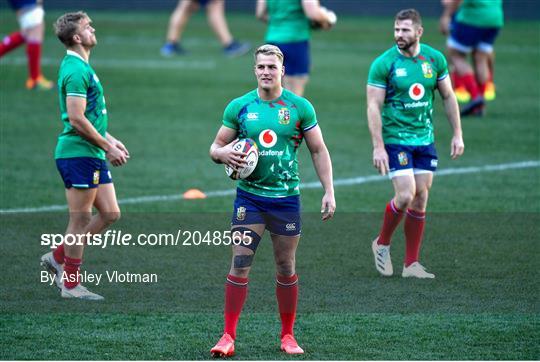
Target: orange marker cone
[193,194]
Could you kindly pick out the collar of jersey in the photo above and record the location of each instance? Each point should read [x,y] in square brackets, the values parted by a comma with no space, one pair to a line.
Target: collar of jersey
[272,100]
[413,57]
[75,54]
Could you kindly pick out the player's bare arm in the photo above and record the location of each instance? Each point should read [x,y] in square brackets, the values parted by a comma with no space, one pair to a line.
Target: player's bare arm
[261,12]
[450,7]
[75,108]
[452,113]
[316,13]
[375,100]
[221,150]
[323,167]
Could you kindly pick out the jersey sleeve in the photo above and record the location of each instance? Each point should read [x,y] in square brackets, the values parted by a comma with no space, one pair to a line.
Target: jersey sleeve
[309,117]
[377,74]
[77,84]
[442,66]
[230,116]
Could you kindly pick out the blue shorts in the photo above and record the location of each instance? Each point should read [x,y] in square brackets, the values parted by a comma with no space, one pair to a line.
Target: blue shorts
[295,57]
[411,160]
[203,3]
[19,4]
[83,172]
[466,38]
[281,216]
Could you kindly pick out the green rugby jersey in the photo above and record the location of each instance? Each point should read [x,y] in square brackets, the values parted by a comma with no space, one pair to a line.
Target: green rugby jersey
[277,127]
[287,22]
[410,85]
[77,79]
[481,13]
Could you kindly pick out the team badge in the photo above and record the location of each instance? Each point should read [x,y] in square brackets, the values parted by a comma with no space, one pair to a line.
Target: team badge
[402,158]
[96,177]
[241,213]
[416,91]
[284,116]
[427,70]
[267,138]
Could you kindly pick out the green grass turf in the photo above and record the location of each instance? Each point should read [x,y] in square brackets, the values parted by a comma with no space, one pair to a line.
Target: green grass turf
[481,237]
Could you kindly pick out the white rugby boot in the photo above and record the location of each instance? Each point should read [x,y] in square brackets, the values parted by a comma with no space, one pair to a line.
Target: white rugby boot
[416,270]
[80,292]
[49,264]
[383,262]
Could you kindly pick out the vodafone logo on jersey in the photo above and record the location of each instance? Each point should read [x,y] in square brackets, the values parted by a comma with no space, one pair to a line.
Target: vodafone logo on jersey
[416,91]
[267,138]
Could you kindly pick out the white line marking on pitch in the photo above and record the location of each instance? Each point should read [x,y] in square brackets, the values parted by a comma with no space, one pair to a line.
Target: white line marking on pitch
[303,186]
[122,63]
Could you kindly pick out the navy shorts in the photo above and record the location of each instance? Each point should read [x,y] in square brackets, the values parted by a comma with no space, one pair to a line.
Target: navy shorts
[19,4]
[203,3]
[295,57]
[281,216]
[466,38]
[411,160]
[83,172]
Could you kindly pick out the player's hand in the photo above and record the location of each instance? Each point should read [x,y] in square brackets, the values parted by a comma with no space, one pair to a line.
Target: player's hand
[229,156]
[380,160]
[328,206]
[456,147]
[121,147]
[116,156]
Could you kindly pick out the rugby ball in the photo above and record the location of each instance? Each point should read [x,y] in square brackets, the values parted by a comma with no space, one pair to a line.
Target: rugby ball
[248,146]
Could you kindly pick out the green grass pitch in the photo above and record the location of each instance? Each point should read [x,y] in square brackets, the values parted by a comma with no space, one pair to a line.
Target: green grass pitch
[481,237]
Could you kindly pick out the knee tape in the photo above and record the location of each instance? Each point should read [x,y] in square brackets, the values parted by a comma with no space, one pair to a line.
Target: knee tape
[245,237]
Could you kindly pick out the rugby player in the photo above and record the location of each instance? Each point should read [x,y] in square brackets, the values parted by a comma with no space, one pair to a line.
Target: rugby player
[32,28]
[402,83]
[215,12]
[278,121]
[81,153]
[289,29]
[474,28]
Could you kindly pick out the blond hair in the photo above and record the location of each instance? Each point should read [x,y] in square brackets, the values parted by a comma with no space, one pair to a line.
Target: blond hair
[67,26]
[269,49]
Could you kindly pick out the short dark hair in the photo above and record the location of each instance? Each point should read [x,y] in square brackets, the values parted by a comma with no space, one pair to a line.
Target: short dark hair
[409,14]
[67,26]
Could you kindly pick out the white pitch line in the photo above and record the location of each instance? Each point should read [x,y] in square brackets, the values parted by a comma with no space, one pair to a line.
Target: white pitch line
[123,63]
[303,186]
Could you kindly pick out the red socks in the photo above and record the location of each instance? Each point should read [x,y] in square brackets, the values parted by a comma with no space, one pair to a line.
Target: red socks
[33,52]
[469,81]
[392,217]
[58,254]
[236,290]
[71,271]
[11,42]
[414,230]
[287,297]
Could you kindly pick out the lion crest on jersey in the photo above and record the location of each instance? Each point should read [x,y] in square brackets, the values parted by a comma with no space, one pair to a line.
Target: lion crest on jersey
[427,70]
[284,116]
